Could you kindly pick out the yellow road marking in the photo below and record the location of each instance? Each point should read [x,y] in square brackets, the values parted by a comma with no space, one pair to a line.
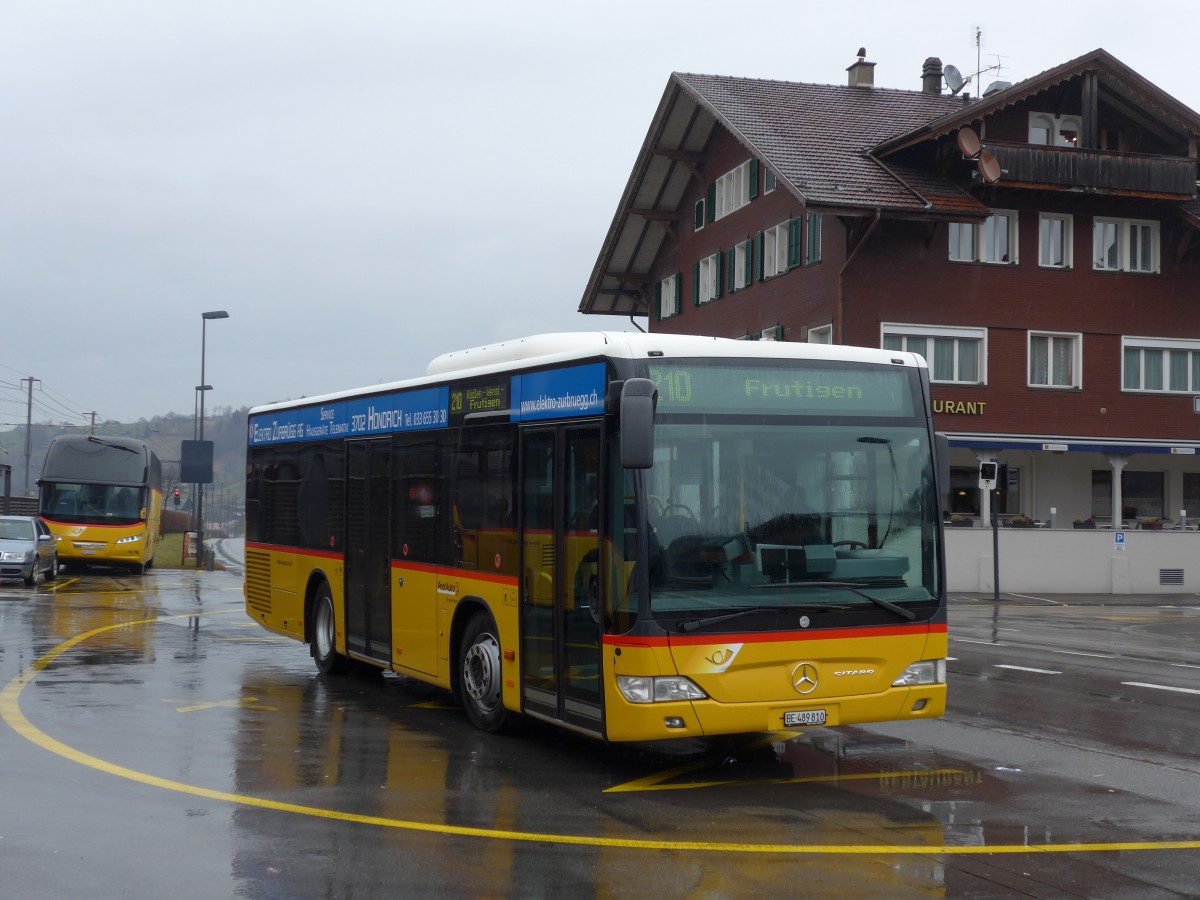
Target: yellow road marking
[10,711]
[243,703]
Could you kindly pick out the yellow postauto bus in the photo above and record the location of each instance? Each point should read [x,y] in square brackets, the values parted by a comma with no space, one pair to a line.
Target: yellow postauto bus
[634,536]
[102,499]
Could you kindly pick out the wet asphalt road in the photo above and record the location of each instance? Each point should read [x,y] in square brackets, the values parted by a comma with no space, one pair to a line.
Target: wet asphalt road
[156,743]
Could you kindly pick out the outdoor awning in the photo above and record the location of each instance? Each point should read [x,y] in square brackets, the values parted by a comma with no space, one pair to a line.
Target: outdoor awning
[1061,444]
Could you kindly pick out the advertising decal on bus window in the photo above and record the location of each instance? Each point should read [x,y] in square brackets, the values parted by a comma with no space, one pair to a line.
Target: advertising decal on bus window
[553,394]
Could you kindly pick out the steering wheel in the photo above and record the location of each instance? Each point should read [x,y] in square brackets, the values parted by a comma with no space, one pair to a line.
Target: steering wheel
[853,545]
[667,507]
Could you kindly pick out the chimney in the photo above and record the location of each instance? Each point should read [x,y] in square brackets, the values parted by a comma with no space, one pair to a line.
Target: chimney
[931,76]
[862,73]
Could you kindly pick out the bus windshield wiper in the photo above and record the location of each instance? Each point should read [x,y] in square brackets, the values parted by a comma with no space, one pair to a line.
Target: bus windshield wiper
[96,440]
[693,624]
[848,586]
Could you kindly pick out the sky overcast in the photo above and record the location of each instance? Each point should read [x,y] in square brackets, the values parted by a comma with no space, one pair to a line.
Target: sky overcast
[363,184]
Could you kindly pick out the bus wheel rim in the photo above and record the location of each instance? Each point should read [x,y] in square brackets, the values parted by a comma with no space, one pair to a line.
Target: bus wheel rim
[324,631]
[481,672]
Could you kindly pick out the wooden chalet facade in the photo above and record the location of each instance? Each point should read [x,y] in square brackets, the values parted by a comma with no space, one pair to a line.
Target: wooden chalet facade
[1040,246]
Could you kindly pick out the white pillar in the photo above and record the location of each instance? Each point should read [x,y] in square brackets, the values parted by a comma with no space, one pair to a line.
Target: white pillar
[1118,463]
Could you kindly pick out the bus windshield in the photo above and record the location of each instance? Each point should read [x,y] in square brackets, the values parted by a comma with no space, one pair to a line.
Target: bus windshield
[93,504]
[782,490]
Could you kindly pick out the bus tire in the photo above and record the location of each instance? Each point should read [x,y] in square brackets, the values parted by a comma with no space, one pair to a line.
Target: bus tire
[324,635]
[480,677]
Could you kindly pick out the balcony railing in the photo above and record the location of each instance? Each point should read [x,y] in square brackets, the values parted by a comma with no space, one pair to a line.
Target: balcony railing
[1101,170]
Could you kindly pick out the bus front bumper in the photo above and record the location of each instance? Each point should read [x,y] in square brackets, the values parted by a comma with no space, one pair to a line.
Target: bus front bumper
[707,718]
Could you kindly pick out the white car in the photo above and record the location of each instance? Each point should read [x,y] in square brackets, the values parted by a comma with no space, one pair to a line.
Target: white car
[27,549]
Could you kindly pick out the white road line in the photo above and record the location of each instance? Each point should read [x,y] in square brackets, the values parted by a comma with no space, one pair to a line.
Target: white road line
[1161,687]
[1185,665]
[1074,653]
[969,641]
[1027,669]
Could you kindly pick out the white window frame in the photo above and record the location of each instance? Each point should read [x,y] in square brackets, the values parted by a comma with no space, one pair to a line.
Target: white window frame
[1057,127]
[822,334]
[1046,221]
[906,330]
[775,250]
[668,302]
[741,265]
[1163,349]
[977,241]
[1127,248]
[1076,376]
[733,190]
[710,274]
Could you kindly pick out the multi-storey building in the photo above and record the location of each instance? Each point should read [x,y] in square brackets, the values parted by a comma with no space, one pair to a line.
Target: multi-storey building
[1039,245]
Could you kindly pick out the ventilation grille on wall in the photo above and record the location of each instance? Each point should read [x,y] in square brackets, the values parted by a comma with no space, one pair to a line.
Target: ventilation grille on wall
[1170,576]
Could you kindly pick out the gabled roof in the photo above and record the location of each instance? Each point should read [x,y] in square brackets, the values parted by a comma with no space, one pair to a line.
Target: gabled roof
[817,139]
[1119,86]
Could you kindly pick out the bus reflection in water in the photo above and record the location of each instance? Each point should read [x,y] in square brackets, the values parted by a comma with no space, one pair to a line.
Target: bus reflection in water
[634,536]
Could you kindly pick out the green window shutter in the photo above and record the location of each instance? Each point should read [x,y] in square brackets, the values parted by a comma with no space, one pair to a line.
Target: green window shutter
[814,239]
[793,258]
[678,292]
[710,207]
[731,270]
[720,259]
[699,214]
[753,177]
[759,240]
[696,284]
[748,249]
[658,301]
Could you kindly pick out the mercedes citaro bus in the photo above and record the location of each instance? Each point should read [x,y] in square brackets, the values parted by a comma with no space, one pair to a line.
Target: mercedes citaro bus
[635,536]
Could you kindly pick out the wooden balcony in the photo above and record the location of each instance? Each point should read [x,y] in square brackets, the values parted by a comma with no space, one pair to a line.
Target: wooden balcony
[1105,171]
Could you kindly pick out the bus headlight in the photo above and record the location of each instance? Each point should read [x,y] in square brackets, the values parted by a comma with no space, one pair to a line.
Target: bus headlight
[662,689]
[131,539]
[930,671]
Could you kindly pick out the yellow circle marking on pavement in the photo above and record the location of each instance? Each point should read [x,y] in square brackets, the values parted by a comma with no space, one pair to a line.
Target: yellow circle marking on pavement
[10,711]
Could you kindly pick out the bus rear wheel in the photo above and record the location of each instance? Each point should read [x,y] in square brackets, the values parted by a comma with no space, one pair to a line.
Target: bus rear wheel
[324,635]
[479,674]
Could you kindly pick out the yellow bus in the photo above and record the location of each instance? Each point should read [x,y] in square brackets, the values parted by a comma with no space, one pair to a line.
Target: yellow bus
[102,499]
[635,536]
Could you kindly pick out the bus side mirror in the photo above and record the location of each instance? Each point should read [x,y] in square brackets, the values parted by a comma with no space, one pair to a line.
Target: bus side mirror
[638,399]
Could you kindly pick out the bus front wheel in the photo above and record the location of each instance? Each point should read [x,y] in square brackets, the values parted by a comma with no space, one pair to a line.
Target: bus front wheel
[324,635]
[479,674]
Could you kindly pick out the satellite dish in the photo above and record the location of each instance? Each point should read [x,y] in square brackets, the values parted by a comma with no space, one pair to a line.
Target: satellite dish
[954,79]
[989,167]
[968,143]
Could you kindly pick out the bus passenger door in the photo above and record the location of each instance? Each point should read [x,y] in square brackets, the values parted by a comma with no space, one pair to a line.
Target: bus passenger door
[560,550]
[368,549]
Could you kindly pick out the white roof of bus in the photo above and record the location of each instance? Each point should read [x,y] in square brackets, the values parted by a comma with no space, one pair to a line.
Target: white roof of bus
[552,349]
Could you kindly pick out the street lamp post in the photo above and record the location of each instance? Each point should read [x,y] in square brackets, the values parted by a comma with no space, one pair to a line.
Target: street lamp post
[202,388]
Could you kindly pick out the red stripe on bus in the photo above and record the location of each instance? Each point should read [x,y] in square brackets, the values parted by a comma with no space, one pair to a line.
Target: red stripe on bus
[775,637]
[506,580]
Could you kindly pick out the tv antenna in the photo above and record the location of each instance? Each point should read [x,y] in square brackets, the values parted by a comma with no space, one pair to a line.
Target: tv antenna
[956,81]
